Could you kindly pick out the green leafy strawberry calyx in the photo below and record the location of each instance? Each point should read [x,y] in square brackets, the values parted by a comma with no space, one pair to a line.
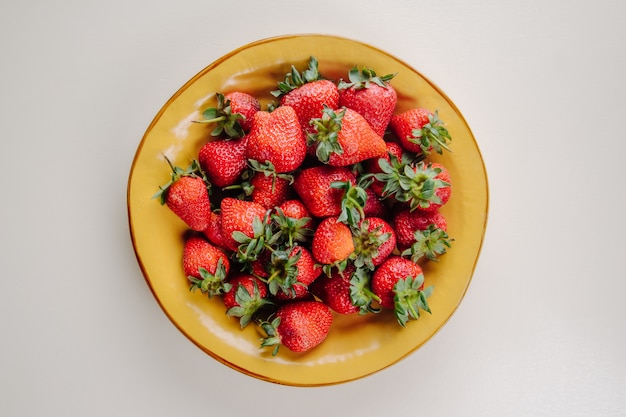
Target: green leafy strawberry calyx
[247,304]
[271,338]
[429,243]
[352,202]
[366,244]
[283,271]
[226,121]
[433,135]
[211,284]
[409,299]
[326,133]
[289,229]
[364,78]
[295,79]
[361,294]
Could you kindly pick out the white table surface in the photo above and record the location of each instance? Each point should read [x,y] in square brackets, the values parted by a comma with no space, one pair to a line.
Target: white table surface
[541,331]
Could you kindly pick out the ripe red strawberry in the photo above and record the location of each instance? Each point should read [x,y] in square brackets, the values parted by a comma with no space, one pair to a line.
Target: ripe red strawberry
[421,131]
[205,265]
[344,137]
[290,278]
[244,104]
[214,231]
[232,115]
[394,150]
[296,209]
[307,92]
[187,196]
[371,96]
[270,190]
[374,206]
[407,222]
[398,283]
[299,326]
[238,216]
[334,291]
[223,161]
[313,185]
[247,295]
[374,240]
[276,138]
[332,244]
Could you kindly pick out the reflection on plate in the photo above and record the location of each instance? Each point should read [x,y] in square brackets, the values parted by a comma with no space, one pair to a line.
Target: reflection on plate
[357,346]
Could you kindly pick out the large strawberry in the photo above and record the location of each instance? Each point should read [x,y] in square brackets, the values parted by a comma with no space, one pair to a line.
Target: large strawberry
[332,244]
[313,185]
[421,131]
[238,216]
[299,326]
[371,96]
[206,266]
[187,195]
[223,161]
[276,139]
[247,295]
[399,285]
[344,137]
[307,92]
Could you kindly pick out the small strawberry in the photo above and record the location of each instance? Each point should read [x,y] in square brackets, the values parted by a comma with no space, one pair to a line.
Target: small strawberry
[270,190]
[344,137]
[313,186]
[398,283]
[238,216]
[332,244]
[223,161]
[296,209]
[334,291]
[423,186]
[206,266]
[369,95]
[374,240]
[214,231]
[232,115]
[247,295]
[277,138]
[374,206]
[407,222]
[293,222]
[299,326]
[307,93]
[420,131]
[291,273]
[394,154]
[187,196]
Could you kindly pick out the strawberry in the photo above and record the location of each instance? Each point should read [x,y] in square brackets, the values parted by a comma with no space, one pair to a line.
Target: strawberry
[232,115]
[299,326]
[270,190]
[407,222]
[205,265]
[420,131]
[374,240]
[237,217]
[214,231]
[369,95]
[423,186]
[313,186]
[344,137]
[374,206]
[276,138]
[223,161]
[334,291]
[332,244]
[399,285]
[247,295]
[293,222]
[187,196]
[296,210]
[394,153]
[307,93]
[244,104]
[290,277]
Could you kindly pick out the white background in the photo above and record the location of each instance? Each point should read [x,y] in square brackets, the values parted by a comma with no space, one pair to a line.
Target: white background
[541,330]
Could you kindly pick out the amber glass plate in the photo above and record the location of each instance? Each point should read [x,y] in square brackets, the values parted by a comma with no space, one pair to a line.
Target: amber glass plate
[357,345]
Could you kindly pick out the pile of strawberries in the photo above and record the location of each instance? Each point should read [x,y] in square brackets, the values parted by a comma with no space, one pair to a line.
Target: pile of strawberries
[325,203]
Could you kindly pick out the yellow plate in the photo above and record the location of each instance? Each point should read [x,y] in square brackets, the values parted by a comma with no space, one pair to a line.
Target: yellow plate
[357,345]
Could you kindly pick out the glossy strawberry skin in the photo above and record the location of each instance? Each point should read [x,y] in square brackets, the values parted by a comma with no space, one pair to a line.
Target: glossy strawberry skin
[332,242]
[188,198]
[223,161]
[237,215]
[244,104]
[309,100]
[388,274]
[270,191]
[375,103]
[334,291]
[303,324]
[277,138]
[199,253]
[296,209]
[407,222]
[380,227]
[313,187]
